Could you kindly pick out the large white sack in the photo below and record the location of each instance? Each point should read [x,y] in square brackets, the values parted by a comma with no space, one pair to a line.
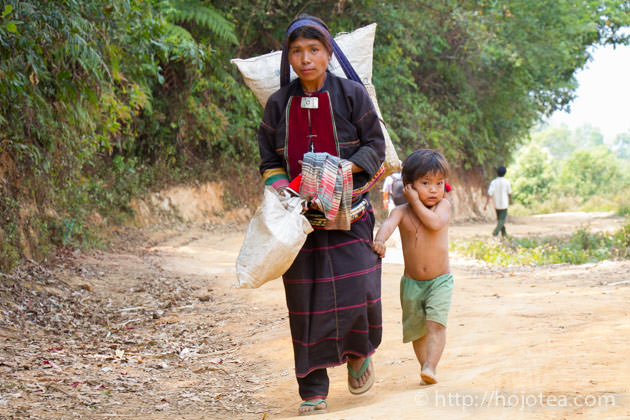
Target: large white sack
[262,76]
[274,237]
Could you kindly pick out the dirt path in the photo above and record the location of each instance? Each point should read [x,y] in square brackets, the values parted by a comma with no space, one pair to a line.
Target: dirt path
[158,331]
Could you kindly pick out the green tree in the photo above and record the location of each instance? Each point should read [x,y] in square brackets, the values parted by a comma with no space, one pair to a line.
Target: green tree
[558,141]
[562,142]
[591,171]
[469,77]
[186,21]
[74,78]
[587,136]
[202,14]
[532,175]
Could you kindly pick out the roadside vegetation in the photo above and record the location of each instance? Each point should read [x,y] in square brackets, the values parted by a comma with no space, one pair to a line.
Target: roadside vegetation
[578,248]
[563,170]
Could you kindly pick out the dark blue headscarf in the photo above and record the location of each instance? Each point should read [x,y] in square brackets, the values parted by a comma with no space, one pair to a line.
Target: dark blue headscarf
[341,58]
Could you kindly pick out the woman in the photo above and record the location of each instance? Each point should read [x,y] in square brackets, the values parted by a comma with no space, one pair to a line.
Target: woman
[333,288]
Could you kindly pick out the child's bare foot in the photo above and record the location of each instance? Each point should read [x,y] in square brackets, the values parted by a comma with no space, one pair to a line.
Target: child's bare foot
[314,406]
[428,375]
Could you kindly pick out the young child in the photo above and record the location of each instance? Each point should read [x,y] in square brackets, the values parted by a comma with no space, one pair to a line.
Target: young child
[427,284]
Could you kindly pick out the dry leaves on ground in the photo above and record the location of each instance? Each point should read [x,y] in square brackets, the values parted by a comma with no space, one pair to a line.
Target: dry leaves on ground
[98,336]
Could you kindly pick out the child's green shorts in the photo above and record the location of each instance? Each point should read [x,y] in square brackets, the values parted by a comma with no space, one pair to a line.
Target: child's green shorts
[422,301]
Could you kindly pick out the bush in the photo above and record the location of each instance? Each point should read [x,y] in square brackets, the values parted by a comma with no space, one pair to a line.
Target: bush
[533,176]
[580,247]
[591,171]
[554,203]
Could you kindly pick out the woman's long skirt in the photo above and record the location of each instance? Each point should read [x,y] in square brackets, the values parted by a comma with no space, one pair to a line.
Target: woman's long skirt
[333,292]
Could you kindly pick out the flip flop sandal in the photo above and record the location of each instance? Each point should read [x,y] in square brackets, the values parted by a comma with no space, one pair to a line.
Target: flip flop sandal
[356,375]
[315,410]
[428,379]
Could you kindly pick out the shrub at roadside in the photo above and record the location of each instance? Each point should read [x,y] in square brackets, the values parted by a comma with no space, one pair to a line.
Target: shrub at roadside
[581,247]
[560,170]
[100,101]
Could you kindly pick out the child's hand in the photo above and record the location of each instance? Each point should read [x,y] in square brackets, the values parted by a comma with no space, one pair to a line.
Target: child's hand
[379,248]
[410,193]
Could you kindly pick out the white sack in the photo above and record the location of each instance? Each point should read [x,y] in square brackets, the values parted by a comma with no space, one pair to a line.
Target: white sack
[274,237]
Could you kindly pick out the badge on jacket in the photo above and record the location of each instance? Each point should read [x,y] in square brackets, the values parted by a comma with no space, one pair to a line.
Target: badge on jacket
[310,102]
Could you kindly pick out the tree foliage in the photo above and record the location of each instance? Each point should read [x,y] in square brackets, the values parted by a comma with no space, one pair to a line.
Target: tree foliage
[576,166]
[533,175]
[561,142]
[589,171]
[74,77]
[204,16]
[101,99]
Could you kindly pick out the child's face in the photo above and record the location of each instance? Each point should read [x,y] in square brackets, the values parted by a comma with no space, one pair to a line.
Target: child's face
[430,188]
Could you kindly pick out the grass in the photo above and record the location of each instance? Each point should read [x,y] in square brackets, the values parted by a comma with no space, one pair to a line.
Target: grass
[581,247]
[619,203]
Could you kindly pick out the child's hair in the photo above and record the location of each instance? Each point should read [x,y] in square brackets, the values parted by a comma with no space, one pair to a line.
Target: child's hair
[501,171]
[422,162]
[310,32]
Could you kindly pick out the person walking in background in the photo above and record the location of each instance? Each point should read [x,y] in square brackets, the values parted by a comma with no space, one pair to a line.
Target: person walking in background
[501,193]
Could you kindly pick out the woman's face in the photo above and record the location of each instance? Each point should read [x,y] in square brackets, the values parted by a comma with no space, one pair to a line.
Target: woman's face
[309,59]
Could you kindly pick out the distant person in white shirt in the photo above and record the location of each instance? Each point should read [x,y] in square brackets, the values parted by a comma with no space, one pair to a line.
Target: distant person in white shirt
[501,192]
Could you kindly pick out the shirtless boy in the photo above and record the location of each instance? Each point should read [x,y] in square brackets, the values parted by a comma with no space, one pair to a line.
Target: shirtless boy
[427,284]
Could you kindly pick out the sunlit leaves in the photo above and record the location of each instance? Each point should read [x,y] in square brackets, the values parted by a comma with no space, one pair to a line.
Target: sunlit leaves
[205,16]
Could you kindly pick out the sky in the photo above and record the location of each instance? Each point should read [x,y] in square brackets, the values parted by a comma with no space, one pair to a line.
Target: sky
[603,96]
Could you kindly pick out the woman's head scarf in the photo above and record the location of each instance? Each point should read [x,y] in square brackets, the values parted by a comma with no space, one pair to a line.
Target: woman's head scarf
[341,58]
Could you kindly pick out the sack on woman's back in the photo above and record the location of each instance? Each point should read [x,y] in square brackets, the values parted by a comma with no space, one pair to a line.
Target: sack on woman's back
[274,237]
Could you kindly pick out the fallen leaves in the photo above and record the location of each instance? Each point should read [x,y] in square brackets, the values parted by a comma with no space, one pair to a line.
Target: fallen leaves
[49,364]
[119,335]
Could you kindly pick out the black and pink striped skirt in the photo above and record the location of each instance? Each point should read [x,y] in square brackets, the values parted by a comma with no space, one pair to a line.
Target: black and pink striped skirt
[333,292]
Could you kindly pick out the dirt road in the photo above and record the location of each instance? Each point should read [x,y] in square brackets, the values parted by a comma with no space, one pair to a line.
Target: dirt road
[168,336]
